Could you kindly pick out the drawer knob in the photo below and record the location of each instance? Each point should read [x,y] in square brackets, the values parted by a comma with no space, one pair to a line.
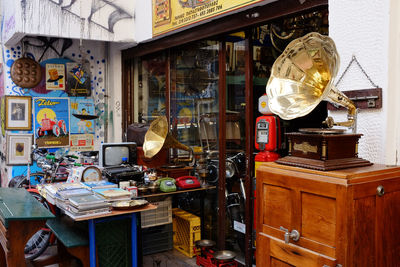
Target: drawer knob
[294,235]
[380,190]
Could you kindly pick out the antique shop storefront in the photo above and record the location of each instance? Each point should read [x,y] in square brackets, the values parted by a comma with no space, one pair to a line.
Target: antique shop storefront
[207,79]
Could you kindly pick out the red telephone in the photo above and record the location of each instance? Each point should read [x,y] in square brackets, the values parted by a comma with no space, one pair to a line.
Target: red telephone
[187,182]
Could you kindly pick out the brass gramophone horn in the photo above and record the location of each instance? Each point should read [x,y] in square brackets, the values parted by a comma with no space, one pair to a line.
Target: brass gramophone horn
[158,137]
[302,76]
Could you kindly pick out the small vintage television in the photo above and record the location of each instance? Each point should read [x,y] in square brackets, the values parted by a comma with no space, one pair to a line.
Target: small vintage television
[112,154]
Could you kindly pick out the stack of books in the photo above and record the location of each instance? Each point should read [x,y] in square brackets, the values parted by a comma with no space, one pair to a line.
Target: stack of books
[86,206]
[75,199]
[113,194]
[51,191]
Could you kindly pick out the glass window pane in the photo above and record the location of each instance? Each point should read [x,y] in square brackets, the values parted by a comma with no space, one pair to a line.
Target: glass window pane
[194,94]
[151,93]
[235,93]
[194,110]
[235,140]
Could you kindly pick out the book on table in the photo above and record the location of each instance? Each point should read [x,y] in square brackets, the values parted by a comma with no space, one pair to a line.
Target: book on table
[88,202]
[54,188]
[86,214]
[68,193]
[86,210]
[100,184]
[113,193]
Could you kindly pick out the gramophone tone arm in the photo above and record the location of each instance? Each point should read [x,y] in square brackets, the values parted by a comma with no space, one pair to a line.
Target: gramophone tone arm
[329,122]
[337,97]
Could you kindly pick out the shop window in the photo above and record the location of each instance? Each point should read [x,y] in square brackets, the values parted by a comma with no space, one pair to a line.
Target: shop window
[186,86]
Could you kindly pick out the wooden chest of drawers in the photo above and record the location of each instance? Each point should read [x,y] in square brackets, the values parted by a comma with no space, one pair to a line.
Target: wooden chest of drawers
[347,217]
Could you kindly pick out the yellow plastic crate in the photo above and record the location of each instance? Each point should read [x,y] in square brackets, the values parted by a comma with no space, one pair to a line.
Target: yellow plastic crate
[187,230]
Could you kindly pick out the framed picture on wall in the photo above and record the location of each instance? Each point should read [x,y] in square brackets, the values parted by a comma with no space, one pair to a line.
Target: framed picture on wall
[19,149]
[18,112]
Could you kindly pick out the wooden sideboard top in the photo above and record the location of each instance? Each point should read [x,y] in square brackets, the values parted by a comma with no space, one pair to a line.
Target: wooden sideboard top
[344,176]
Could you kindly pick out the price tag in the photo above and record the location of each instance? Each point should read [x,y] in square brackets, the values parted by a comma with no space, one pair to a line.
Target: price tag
[240,227]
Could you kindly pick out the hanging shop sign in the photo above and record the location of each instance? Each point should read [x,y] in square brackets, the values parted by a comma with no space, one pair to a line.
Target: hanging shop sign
[169,15]
[51,116]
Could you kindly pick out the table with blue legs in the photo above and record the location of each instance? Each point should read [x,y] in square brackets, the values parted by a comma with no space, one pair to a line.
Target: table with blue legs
[115,215]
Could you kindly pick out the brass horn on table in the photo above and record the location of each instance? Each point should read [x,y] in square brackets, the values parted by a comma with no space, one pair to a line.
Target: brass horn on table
[302,76]
[158,137]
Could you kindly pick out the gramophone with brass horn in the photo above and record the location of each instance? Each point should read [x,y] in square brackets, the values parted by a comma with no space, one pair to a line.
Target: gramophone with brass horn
[158,137]
[301,77]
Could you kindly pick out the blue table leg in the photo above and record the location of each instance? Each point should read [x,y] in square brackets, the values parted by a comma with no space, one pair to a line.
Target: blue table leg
[92,243]
[134,240]
[92,238]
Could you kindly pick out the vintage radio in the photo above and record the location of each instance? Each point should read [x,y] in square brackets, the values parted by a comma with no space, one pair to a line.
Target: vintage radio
[122,173]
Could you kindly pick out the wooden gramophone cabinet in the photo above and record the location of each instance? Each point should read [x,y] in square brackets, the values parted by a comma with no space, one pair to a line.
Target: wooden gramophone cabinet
[348,217]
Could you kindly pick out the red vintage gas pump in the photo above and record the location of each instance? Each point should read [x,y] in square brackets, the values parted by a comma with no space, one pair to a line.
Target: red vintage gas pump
[268,139]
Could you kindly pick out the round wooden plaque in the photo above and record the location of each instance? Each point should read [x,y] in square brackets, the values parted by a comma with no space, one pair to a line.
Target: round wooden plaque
[26,72]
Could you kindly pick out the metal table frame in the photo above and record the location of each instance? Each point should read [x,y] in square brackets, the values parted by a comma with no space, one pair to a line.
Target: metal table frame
[92,235]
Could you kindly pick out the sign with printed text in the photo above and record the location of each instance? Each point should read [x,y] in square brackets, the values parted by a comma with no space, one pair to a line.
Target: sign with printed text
[82,142]
[78,79]
[79,108]
[55,76]
[51,120]
[169,15]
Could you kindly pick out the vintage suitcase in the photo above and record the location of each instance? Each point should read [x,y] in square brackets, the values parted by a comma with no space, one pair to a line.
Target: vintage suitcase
[136,133]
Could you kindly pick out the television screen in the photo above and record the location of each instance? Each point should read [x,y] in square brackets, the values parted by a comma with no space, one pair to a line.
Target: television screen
[112,154]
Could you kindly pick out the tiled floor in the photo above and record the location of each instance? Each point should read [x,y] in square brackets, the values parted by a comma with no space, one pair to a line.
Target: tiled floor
[164,259]
[51,250]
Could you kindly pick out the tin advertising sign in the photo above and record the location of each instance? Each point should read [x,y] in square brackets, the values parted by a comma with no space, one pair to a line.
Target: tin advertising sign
[170,15]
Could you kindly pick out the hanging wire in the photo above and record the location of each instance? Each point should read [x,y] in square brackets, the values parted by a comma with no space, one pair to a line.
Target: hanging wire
[354,59]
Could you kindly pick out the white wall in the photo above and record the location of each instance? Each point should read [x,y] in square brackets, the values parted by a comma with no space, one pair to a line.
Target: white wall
[393,112]
[115,94]
[361,28]
[102,20]
[143,20]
